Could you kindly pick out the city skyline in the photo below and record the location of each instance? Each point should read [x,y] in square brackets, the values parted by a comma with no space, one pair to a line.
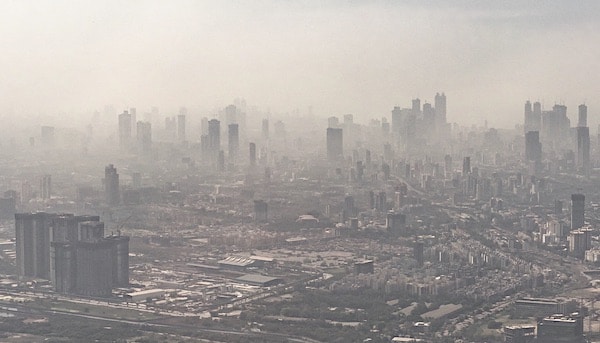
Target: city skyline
[358,57]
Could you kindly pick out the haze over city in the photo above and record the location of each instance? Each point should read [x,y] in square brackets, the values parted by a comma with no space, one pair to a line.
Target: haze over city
[300,171]
[64,59]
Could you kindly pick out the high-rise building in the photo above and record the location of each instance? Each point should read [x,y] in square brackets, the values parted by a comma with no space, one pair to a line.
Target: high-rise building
[519,334]
[233,143]
[144,136]
[416,106]
[527,121]
[560,328]
[124,129]
[440,108]
[429,118]
[214,136]
[533,147]
[583,149]
[577,211]
[111,185]
[46,187]
[335,144]
[32,233]
[582,118]
[397,119]
[92,266]
[555,126]
[394,222]
[35,231]
[466,165]
[72,252]
[448,166]
[252,152]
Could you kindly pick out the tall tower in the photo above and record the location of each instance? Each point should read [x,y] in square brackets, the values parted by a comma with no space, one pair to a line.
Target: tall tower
[583,149]
[582,122]
[577,211]
[335,144]
[533,147]
[124,129]
[111,185]
[440,107]
[233,143]
[416,106]
[466,166]
[32,232]
[536,118]
[528,117]
[214,136]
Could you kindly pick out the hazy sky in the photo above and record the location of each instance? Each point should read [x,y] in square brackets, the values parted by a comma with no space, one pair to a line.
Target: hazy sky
[360,57]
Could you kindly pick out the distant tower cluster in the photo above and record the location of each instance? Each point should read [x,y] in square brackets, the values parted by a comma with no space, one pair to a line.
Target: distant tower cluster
[72,252]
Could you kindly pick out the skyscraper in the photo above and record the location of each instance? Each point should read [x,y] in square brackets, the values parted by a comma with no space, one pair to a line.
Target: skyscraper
[466,166]
[124,129]
[32,233]
[582,122]
[233,143]
[533,147]
[214,136]
[416,106]
[440,108]
[577,211]
[583,149]
[111,185]
[448,166]
[335,144]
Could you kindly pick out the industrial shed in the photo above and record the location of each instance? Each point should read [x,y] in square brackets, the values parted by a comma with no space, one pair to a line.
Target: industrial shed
[259,280]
